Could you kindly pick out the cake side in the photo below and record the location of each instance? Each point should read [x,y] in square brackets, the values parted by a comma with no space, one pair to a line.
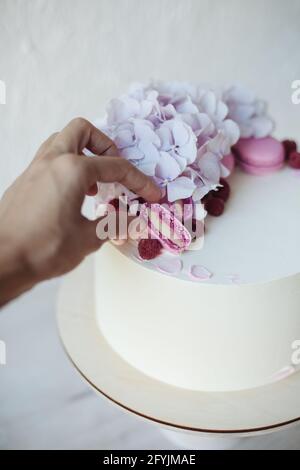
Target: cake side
[193,335]
[225,314]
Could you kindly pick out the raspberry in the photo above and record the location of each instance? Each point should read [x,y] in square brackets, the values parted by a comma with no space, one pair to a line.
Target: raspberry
[198,228]
[206,198]
[289,147]
[92,191]
[223,192]
[215,206]
[115,203]
[141,201]
[149,248]
[294,160]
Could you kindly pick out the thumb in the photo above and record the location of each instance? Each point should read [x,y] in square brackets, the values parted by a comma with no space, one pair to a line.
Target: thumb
[91,230]
[88,234]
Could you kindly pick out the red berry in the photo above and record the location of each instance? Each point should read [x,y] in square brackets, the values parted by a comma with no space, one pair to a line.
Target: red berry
[215,206]
[206,198]
[289,147]
[224,191]
[118,204]
[149,248]
[92,191]
[198,228]
[115,203]
[140,201]
[294,160]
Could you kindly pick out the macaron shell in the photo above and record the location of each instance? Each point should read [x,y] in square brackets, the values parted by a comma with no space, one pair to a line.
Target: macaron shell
[259,170]
[259,156]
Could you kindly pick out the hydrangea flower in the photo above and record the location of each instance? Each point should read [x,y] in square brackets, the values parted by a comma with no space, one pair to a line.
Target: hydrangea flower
[175,132]
[248,112]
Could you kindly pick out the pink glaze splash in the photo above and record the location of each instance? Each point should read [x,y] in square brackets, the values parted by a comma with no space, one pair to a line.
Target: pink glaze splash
[169,266]
[200,273]
[234,278]
[283,373]
[296,173]
[156,216]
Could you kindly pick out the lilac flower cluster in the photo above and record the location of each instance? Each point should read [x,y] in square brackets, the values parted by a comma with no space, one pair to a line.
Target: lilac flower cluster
[175,132]
[248,112]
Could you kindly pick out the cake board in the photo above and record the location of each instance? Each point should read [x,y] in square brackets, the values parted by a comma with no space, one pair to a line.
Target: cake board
[196,414]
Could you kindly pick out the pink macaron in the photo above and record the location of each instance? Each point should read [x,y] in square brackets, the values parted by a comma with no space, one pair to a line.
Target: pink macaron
[259,156]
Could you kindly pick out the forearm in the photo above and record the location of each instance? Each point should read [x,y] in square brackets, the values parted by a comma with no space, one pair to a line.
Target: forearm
[16,276]
[42,231]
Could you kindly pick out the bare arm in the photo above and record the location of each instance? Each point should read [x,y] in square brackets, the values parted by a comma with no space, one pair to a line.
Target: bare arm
[42,231]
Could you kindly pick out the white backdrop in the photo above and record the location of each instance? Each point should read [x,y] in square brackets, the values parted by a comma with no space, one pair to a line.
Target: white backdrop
[63,58]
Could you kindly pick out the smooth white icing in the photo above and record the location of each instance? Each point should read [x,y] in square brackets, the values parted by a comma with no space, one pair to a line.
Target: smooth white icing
[230,331]
[256,239]
[196,335]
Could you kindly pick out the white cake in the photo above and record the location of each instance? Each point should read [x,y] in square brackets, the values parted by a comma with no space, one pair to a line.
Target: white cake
[224,316]
[233,331]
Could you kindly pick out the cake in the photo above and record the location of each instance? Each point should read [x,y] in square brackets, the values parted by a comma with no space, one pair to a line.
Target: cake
[215,306]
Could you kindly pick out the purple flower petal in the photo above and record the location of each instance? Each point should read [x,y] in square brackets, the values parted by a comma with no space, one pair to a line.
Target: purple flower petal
[181,188]
[210,167]
[167,167]
[165,135]
[149,151]
[180,133]
[124,138]
[132,153]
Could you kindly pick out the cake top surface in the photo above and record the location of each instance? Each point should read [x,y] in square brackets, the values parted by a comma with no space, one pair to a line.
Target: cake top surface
[211,152]
[256,239]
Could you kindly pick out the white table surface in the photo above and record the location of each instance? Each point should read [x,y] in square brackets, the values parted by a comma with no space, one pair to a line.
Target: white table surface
[44,403]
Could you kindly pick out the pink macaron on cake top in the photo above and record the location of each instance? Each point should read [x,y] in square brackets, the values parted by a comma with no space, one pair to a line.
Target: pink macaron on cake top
[187,138]
[259,156]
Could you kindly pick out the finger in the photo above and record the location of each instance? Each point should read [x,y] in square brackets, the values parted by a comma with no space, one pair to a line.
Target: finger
[45,145]
[80,134]
[119,170]
[88,230]
[89,237]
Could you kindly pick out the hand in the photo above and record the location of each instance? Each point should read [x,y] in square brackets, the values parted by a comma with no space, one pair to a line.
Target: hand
[43,233]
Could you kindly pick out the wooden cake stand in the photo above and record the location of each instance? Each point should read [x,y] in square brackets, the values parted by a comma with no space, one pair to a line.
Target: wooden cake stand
[192,419]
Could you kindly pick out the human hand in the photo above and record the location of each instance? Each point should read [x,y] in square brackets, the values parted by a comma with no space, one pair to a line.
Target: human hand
[41,226]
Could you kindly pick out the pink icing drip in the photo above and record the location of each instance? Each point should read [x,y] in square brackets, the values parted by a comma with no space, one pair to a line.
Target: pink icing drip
[283,373]
[200,273]
[296,173]
[234,278]
[169,266]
